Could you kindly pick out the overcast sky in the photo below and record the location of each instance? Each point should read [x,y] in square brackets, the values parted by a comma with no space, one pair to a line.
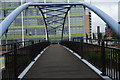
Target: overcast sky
[108,6]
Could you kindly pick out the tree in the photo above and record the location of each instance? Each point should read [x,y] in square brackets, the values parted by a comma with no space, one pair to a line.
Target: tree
[115,36]
[100,35]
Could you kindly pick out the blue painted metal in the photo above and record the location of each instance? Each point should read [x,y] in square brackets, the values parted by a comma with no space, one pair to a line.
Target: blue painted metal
[54,12]
[55,28]
[10,18]
[64,22]
[44,22]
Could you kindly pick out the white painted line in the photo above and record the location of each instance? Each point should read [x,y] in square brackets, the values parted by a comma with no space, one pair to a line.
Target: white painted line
[40,54]
[26,70]
[73,52]
[90,65]
[37,57]
[31,64]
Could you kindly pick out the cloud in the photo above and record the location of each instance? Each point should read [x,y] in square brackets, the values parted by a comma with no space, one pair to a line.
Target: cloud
[102,0]
[110,7]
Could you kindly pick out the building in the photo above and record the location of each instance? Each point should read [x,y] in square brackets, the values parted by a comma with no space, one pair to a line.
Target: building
[98,32]
[88,23]
[29,25]
[108,32]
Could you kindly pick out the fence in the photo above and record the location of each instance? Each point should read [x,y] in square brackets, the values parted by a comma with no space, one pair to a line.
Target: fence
[108,43]
[106,59]
[18,58]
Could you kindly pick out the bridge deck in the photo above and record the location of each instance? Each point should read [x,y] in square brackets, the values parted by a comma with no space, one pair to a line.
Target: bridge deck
[57,62]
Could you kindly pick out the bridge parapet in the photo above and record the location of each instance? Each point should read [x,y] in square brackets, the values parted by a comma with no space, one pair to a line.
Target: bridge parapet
[18,58]
[104,57]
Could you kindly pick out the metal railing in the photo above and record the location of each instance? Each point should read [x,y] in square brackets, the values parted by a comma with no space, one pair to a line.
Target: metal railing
[18,58]
[9,47]
[112,62]
[105,58]
[108,43]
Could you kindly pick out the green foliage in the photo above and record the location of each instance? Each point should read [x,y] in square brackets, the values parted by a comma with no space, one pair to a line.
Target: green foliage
[100,35]
[115,36]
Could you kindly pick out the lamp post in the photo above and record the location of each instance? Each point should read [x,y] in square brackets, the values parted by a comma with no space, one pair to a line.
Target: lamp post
[45,28]
[68,1]
[22,25]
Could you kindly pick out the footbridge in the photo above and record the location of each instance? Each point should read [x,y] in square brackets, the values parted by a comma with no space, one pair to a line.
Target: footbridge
[76,59]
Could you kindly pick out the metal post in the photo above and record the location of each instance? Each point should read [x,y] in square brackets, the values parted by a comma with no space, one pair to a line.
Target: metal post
[46,28]
[103,57]
[15,61]
[22,25]
[106,43]
[32,42]
[90,40]
[81,47]
[99,42]
[119,64]
[69,23]
[39,41]
[64,22]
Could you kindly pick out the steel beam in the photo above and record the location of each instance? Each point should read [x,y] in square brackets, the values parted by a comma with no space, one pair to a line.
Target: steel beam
[44,22]
[64,22]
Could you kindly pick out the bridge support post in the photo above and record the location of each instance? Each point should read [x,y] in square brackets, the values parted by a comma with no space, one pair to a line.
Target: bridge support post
[15,61]
[103,57]
[81,47]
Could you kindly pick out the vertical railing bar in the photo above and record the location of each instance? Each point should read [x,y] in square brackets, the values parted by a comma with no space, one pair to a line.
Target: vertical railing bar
[114,65]
[107,58]
[116,62]
[109,61]
[119,63]
[82,48]
[114,58]
[103,58]
[15,61]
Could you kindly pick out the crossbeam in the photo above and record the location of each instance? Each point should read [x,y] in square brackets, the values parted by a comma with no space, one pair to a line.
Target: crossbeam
[52,15]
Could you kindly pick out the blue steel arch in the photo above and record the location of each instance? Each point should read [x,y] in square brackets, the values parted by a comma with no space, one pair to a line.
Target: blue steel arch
[11,17]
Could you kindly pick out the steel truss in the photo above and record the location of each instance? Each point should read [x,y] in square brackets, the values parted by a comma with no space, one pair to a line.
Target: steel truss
[54,14]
